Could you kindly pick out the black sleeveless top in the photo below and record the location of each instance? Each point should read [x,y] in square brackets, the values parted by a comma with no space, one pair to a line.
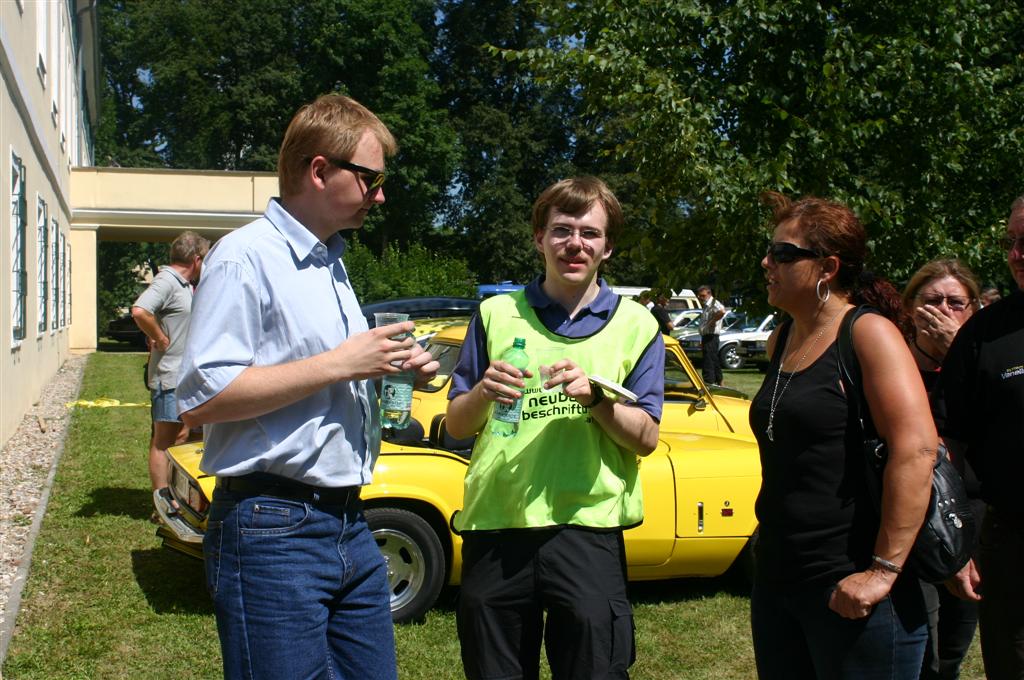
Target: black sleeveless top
[817,524]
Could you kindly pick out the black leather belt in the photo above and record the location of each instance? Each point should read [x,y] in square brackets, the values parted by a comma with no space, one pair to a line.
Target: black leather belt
[265,484]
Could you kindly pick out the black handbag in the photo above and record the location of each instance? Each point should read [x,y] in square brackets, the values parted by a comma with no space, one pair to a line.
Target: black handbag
[946,540]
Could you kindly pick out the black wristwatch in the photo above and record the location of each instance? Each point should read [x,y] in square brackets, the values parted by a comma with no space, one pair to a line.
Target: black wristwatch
[598,394]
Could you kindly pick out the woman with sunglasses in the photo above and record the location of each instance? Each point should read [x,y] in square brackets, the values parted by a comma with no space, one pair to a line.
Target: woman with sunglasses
[939,298]
[829,600]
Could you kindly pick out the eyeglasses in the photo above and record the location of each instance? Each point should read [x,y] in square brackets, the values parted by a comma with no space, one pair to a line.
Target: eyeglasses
[782,252]
[562,234]
[1012,243]
[373,179]
[954,302]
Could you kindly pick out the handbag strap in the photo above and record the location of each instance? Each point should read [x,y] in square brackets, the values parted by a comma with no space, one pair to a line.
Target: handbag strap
[849,371]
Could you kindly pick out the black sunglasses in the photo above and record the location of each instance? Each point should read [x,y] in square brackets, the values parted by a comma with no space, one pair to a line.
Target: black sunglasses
[374,179]
[782,252]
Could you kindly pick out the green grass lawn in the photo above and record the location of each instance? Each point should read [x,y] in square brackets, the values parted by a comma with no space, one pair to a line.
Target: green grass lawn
[104,600]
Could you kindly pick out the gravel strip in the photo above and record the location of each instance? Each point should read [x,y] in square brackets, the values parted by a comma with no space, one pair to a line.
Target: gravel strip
[28,463]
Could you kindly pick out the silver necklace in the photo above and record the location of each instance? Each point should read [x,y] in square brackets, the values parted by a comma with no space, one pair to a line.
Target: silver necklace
[775,402]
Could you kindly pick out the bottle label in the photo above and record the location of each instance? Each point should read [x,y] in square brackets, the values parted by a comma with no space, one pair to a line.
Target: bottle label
[508,413]
[396,396]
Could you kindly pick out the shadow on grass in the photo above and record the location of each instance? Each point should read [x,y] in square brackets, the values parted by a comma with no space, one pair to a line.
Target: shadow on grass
[108,345]
[171,582]
[118,501]
[686,589]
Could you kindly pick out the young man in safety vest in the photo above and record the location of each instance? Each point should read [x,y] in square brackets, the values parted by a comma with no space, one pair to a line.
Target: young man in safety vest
[545,509]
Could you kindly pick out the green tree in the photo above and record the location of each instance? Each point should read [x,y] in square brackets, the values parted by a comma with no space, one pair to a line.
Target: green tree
[907,111]
[410,273]
[212,84]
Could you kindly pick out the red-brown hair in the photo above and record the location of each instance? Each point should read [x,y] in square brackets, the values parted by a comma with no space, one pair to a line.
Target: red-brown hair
[830,228]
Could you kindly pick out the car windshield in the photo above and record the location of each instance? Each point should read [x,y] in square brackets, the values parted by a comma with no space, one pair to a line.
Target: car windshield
[446,355]
[677,381]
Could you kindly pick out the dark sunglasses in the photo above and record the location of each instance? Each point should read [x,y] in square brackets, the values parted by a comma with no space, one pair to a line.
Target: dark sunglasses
[782,252]
[374,179]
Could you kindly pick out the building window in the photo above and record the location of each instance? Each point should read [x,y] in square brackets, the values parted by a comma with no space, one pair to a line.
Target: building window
[63,280]
[42,260]
[19,223]
[42,44]
[55,268]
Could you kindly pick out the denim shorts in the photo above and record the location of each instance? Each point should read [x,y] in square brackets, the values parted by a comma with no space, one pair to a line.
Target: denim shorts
[164,406]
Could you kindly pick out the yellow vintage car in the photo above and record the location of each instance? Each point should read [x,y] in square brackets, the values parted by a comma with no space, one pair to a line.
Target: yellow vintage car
[699,489]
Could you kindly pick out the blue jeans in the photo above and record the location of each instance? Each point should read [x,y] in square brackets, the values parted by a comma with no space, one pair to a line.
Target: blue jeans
[299,590]
[796,635]
[163,406]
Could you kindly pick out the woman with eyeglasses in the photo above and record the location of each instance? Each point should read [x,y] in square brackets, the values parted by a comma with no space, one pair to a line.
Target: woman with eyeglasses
[829,600]
[939,298]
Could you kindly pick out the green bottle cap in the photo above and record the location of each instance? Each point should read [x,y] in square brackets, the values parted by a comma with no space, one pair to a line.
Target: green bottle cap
[519,343]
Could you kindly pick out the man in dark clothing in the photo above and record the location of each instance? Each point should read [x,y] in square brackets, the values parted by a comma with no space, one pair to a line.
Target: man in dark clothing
[661,314]
[983,386]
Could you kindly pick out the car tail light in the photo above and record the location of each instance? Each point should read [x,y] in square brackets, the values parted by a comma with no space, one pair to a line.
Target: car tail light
[187,491]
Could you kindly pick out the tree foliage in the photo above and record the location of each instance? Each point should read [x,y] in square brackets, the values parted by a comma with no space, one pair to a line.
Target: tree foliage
[909,112]
[409,273]
[212,84]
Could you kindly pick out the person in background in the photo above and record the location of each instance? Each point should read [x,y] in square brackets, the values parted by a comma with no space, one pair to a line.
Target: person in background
[163,312]
[829,601]
[989,295]
[278,367]
[660,313]
[710,328]
[982,384]
[545,509]
[939,298]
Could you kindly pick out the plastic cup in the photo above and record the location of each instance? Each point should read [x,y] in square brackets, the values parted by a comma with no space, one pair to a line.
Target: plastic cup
[388,318]
[546,358]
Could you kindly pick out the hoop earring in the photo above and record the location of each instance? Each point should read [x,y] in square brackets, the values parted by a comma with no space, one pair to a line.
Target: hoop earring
[817,291]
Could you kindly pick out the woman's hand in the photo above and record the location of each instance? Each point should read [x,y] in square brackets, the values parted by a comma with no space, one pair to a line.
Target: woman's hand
[857,594]
[937,325]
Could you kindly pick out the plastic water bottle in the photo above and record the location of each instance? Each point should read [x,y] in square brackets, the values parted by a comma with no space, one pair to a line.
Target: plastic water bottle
[396,399]
[396,388]
[505,419]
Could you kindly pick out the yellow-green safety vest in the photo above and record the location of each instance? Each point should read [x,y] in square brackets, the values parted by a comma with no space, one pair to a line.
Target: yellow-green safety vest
[560,468]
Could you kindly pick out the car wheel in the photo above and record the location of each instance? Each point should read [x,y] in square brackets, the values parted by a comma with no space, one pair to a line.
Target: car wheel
[415,561]
[730,358]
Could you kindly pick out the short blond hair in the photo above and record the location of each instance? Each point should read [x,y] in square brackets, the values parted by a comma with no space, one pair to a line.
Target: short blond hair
[330,126]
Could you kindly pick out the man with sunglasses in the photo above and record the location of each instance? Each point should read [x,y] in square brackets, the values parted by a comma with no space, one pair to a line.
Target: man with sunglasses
[278,368]
[710,328]
[983,386]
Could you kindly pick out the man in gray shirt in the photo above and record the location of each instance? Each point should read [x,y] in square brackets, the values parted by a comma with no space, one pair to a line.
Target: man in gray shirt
[162,312]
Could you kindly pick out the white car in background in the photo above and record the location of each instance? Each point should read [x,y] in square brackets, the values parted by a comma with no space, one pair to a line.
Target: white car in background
[737,329]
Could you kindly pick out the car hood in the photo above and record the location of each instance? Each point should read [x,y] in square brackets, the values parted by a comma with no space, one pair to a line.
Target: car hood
[700,454]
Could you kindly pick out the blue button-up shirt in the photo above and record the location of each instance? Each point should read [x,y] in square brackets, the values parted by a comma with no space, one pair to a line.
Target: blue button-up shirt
[272,293]
[647,380]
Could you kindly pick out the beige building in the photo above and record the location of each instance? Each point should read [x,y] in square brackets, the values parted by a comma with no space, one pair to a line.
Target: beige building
[56,207]
[50,69]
